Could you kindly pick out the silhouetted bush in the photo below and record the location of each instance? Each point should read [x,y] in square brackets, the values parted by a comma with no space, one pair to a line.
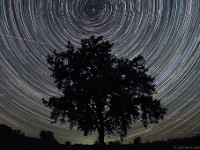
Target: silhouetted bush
[117,142]
[48,136]
[138,140]
[67,143]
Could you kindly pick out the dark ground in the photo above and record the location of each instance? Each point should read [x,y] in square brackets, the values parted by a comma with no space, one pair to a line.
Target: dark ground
[15,140]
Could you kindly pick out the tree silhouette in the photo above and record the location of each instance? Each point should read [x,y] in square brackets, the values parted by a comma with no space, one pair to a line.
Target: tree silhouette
[100,91]
[48,137]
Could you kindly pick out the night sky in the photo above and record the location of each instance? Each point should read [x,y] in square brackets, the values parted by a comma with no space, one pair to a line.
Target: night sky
[165,32]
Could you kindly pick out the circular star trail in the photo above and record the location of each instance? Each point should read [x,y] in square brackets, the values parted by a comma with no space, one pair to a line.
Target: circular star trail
[165,32]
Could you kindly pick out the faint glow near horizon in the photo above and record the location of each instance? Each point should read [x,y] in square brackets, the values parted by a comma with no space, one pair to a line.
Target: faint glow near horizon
[166,33]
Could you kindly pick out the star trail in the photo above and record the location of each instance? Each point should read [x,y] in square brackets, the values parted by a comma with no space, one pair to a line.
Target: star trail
[165,32]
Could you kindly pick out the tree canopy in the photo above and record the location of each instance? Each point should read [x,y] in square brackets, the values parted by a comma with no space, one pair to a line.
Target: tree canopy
[101,92]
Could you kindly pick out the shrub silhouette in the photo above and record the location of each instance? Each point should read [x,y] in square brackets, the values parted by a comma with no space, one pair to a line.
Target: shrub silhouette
[100,91]
[67,143]
[138,140]
[48,136]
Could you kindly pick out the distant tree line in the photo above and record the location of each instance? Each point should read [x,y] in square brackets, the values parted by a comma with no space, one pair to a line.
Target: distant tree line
[4,129]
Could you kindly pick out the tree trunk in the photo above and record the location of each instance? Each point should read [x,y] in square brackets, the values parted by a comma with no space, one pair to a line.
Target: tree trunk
[101,131]
[101,135]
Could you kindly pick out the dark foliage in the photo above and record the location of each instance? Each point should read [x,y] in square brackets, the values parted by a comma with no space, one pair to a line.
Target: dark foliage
[100,91]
